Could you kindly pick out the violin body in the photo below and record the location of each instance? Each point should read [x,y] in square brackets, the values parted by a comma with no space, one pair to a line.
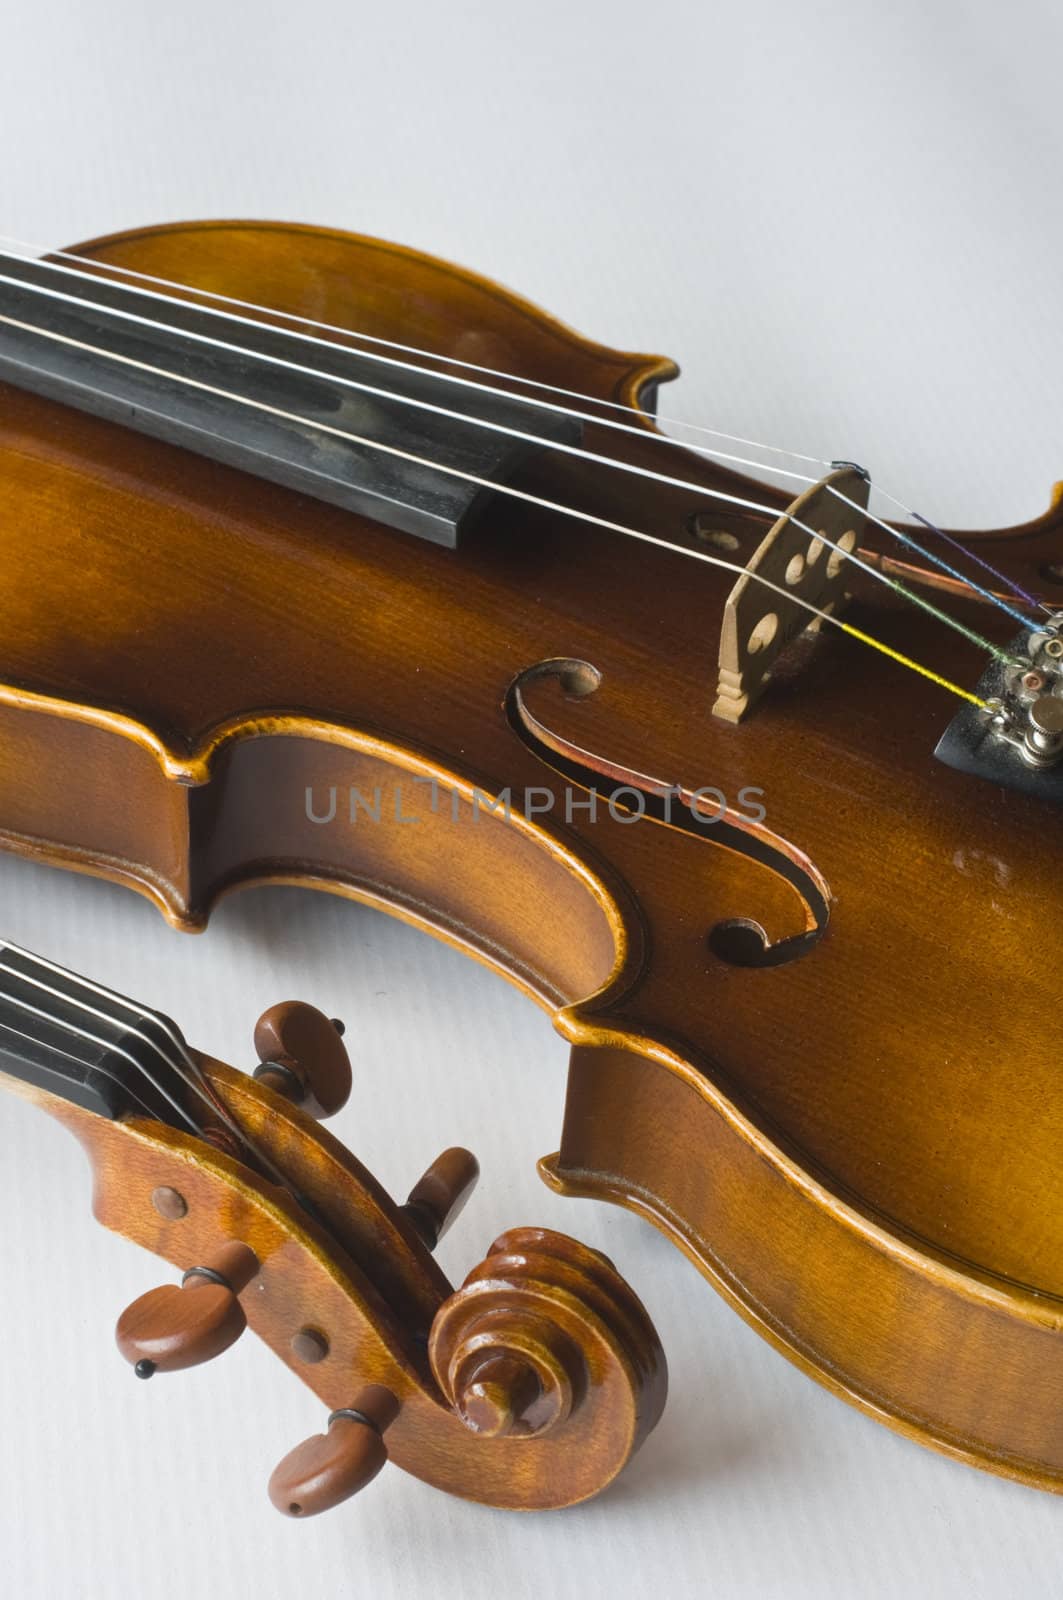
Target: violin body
[208,682]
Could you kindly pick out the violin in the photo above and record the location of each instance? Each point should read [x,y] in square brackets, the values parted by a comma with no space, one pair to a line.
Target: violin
[329,563]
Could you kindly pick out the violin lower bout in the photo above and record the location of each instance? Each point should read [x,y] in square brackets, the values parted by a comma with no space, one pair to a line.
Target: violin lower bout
[964,1363]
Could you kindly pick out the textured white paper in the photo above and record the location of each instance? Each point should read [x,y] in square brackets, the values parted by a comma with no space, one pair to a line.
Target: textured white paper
[845,221]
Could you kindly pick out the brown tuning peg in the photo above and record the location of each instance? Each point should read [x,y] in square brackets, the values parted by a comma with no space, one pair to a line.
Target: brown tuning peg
[303,1057]
[324,1471]
[181,1326]
[440,1193]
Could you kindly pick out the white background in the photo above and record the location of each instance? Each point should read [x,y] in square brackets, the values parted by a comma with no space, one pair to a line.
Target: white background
[845,221]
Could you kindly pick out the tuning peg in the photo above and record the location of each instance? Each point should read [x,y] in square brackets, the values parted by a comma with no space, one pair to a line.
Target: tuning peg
[303,1057]
[174,1326]
[440,1193]
[324,1471]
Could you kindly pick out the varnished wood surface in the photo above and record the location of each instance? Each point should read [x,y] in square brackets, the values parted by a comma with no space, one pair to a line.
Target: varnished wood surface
[382,1311]
[185,651]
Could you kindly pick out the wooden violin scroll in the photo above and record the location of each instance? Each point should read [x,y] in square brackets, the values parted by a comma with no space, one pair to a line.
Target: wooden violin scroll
[541,1328]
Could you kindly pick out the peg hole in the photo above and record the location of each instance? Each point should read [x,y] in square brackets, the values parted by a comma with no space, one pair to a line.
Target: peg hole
[846,543]
[763,633]
[795,569]
[295,1509]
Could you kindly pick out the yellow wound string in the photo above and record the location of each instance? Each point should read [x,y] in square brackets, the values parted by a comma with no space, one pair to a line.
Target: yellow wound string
[924,672]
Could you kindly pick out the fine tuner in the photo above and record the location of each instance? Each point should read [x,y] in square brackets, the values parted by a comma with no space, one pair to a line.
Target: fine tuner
[530,1386]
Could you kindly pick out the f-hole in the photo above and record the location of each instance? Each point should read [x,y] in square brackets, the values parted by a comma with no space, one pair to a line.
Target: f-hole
[738,941]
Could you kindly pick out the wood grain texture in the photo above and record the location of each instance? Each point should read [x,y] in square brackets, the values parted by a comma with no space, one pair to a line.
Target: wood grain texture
[860,1145]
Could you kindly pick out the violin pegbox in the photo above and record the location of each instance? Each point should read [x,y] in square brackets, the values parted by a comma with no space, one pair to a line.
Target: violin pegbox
[530,1386]
[804,557]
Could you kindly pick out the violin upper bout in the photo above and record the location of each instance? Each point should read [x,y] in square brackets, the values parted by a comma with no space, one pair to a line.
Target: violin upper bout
[388,291]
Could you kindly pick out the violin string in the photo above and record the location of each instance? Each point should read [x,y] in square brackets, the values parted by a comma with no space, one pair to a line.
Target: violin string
[957,544]
[41,251]
[714,454]
[518,494]
[143,1013]
[609,462]
[93,1038]
[188,1071]
[901,505]
[67,1055]
[185,1066]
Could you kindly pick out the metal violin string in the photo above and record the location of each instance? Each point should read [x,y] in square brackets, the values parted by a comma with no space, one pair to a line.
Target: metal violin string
[29,1038]
[565,511]
[85,1033]
[895,584]
[661,439]
[932,527]
[140,1012]
[182,1062]
[506,489]
[641,431]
